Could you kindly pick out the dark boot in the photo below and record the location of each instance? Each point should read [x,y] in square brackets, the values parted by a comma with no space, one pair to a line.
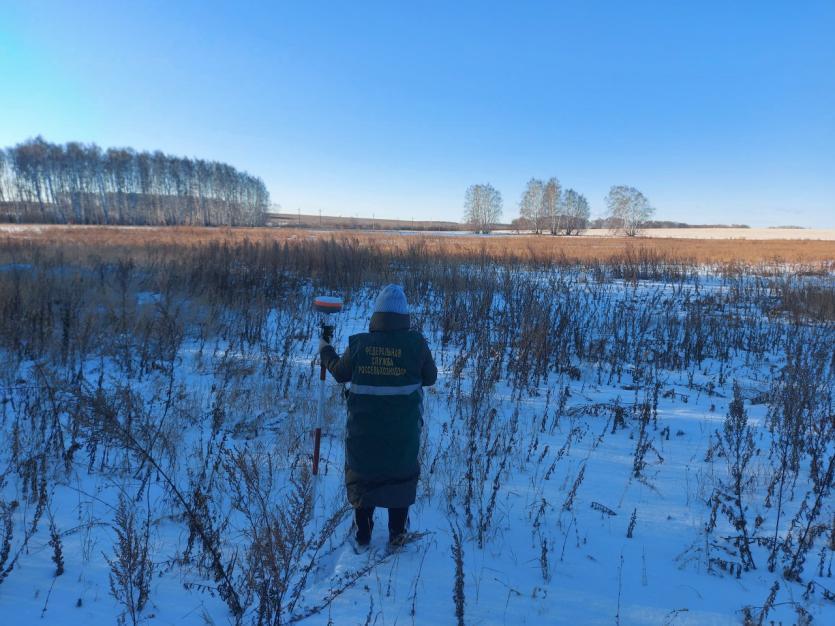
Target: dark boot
[364,521]
[397,524]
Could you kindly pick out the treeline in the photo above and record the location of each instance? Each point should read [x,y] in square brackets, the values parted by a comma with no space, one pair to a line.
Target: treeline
[77,183]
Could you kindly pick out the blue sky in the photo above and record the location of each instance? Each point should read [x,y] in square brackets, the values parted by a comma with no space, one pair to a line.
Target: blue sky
[717,111]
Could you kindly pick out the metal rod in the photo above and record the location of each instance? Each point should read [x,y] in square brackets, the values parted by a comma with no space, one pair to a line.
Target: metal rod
[320,416]
[317,438]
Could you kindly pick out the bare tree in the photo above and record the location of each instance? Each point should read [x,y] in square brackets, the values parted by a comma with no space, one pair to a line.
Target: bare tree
[483,207]
[5,176]
[531,205]
[551,204]
[575,212]
[628,208]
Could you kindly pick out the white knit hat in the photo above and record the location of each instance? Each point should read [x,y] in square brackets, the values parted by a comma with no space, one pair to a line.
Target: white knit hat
[392,300]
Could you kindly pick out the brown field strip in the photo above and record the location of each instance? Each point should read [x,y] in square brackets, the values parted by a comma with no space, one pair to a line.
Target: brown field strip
[138,240]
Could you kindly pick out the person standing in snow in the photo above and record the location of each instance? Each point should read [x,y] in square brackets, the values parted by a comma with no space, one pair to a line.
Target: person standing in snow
[387,368]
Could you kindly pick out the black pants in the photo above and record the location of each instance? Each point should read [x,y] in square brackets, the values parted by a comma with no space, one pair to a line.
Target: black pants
[365,522]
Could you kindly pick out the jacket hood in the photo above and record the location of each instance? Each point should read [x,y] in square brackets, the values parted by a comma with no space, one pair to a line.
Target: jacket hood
[381,322]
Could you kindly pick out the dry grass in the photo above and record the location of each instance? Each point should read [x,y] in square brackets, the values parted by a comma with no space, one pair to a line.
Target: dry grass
[107,241]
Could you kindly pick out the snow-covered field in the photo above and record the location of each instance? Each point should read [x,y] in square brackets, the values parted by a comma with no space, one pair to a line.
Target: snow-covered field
[824,234]
[579,464]
[753,234]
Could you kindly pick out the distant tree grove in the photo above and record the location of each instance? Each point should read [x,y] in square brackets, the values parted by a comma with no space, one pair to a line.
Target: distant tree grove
[77,183]
[544,207]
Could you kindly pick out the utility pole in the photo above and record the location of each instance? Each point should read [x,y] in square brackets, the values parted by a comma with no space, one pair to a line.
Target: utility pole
[300,216]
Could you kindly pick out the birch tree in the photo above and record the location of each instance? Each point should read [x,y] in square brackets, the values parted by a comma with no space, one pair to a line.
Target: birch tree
[482,206]
[531,205]
[551,204]
[575,213]
[628,208]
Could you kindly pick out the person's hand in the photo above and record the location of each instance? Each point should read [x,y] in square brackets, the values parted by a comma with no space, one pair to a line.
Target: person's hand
[322,344]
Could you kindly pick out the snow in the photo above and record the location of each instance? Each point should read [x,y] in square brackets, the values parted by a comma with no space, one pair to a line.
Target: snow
[547,556]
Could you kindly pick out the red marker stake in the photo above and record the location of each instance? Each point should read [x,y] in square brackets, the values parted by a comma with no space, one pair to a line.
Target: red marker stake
[326,305]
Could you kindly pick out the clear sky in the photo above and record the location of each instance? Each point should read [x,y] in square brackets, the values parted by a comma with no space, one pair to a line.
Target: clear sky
[717,111]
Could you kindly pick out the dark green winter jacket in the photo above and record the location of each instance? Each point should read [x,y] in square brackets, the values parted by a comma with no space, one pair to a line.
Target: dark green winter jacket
[387,368]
